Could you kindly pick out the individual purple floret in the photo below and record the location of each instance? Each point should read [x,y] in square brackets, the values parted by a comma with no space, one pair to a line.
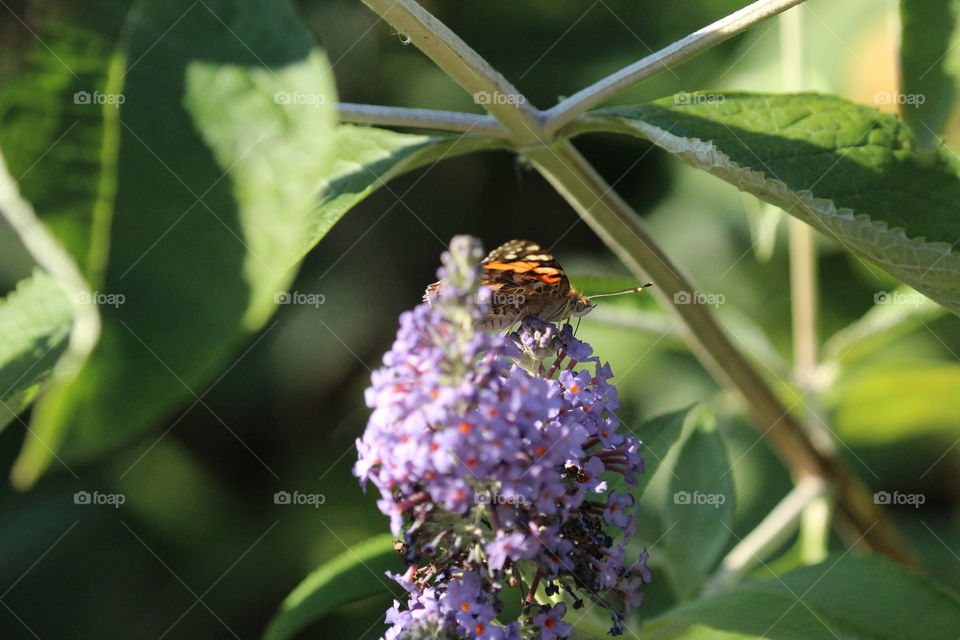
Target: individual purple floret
[488,451]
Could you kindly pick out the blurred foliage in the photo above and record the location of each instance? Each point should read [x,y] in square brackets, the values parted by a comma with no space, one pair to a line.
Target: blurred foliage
[201,550]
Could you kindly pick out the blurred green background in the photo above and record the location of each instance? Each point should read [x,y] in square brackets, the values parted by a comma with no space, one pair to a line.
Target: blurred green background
[200,549]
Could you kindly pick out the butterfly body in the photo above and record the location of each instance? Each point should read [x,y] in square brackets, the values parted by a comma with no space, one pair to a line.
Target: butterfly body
[526,281]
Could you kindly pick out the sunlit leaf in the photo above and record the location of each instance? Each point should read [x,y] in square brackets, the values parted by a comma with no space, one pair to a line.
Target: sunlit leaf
[356,574]
[848,170]
[35,323]
[884,404]
[205,223]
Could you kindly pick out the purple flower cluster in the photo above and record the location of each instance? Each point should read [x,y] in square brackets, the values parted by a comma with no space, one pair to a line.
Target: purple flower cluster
[489,452]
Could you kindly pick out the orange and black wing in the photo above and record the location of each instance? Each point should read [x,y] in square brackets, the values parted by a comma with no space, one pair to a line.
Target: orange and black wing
[525,264]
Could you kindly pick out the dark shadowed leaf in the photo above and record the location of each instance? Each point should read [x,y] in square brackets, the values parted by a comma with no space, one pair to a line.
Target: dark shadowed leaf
[356,574]
[865,598]
[698,514]
[928,67]
[658,434]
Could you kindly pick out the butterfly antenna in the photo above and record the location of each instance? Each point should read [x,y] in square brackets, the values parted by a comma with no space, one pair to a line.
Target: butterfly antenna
[617,293]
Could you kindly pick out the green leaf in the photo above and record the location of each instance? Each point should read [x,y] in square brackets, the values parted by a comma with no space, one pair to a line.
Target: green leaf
[849,171]
[226,127]
[51,256]
[895,314]
[659,435]
[929,65]
[763,220]
[58,117]
[367,158]
[35,323]
[698,514]
[865,598]
[886,404]
[356,574]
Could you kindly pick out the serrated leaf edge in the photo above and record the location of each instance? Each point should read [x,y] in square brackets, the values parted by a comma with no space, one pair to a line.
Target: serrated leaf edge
[841,224]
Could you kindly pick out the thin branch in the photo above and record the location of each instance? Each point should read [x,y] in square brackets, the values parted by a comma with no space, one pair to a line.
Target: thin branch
[775,529]
[815,530]
[803,250]
[804,297]
[804,303]
[465,66]
[803,300]
[431,119]
[657,62]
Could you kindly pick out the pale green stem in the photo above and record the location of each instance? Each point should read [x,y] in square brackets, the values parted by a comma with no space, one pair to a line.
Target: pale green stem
[804,301]
[803,256]
[815,530]
[421,119]
[768,536]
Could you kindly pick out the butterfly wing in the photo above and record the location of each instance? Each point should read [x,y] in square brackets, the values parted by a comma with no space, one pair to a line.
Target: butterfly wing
[525,281]
[524,263]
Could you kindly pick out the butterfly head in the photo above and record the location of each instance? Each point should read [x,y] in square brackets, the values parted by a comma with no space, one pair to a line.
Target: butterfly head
[580,305]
